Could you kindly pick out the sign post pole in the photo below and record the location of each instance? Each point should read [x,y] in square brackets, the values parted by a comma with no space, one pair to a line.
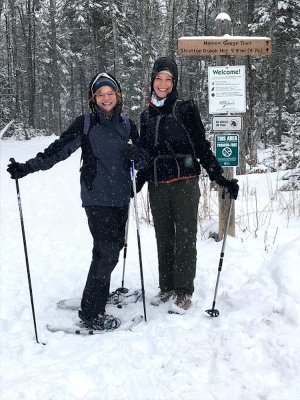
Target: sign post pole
[223,27]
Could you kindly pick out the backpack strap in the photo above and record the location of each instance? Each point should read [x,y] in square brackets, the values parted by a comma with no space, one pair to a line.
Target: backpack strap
[126,123]
[178,118]
[86,128]
[86,124]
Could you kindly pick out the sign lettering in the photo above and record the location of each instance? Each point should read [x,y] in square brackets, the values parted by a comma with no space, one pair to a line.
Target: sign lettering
[227,89]
[227,150]
[224,46]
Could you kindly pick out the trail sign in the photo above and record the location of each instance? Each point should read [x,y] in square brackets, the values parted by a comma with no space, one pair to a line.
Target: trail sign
[227,149]
[227,89]
[226,45]
[225,123]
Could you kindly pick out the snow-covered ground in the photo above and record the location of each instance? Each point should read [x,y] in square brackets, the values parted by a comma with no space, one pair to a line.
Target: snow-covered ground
[250,352]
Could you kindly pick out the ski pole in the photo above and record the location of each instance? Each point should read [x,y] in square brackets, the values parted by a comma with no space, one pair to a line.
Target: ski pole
[213,312]
[138,235]
[125,247]
[12,160]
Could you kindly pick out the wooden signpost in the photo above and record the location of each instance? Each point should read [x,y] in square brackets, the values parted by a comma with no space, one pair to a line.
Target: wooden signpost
[225,46]
[224,94]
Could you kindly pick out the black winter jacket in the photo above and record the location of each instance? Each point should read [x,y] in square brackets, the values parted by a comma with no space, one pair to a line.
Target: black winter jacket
[105,176]
[174,137]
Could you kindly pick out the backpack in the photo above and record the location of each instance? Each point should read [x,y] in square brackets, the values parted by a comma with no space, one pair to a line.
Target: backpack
[178,118]
[87,122]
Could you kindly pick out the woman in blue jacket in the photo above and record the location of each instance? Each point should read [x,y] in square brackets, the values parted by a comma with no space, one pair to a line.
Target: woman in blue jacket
[105,186]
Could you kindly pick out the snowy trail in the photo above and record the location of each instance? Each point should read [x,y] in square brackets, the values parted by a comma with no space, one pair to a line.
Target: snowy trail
[251,352]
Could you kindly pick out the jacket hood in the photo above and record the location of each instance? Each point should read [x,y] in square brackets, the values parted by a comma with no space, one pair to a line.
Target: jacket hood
[166,64]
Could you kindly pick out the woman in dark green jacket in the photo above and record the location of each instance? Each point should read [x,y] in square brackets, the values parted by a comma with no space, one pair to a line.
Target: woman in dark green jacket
[174,136]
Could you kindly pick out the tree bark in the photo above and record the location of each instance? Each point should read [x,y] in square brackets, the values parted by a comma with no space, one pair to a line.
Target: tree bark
[27,22]
[146,45]
[56,118]
[115,38]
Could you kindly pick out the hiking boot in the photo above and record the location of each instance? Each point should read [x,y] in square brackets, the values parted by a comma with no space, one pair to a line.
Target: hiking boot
[180,304]
[118,296]
[162,297]
[102,322]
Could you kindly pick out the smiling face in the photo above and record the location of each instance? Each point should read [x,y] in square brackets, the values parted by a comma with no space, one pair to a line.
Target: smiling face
[106,99]
[163,84]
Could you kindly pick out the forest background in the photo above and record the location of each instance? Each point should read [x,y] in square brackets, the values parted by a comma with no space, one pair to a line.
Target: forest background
[50,49]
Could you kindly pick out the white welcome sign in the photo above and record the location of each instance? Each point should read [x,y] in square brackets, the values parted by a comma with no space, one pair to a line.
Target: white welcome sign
[227,89]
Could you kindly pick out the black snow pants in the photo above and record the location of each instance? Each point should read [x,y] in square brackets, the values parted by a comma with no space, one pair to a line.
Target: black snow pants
[107,226]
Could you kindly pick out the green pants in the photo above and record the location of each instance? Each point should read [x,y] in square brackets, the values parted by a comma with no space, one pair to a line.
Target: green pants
[174,208]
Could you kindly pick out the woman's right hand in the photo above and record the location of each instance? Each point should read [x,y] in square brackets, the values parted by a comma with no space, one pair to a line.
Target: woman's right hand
[18,170]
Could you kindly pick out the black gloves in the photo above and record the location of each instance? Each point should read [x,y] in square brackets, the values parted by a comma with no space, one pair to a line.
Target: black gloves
[230,185]
[18,170]
[140,179]
[131,152]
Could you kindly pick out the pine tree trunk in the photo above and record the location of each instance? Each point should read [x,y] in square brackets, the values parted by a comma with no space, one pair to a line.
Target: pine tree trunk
[115,39]
[56,118]
[146,45]
[27,22]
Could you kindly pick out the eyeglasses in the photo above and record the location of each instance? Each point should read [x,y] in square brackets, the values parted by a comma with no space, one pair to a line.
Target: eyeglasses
[108,94]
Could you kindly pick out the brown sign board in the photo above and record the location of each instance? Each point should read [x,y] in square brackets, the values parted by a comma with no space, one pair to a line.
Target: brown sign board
[224,46]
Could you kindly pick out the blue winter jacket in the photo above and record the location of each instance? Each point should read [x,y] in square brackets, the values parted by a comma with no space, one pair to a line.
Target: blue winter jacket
[105,174]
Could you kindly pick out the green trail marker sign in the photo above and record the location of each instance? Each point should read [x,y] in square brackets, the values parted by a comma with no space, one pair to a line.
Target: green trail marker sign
[227,149]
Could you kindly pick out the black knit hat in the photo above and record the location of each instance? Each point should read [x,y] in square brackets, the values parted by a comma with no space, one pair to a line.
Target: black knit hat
[165,64]
[103,80]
